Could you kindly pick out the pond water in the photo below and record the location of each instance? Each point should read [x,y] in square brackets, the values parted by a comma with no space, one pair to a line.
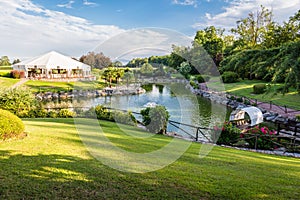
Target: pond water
[183,107]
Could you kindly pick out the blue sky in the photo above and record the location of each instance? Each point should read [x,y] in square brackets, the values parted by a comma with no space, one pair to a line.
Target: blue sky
[128,14]
[75,27]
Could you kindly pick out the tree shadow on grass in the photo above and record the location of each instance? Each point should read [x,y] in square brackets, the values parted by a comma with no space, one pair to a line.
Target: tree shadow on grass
[69,177]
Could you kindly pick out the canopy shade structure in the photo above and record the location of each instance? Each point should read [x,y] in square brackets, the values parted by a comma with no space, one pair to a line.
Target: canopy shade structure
[254,113]
[53,65]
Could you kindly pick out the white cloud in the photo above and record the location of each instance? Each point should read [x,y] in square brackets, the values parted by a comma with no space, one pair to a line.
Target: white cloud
[67,5]
[186,2]
[143,42]
[238,9]
[28,30]
[89,3]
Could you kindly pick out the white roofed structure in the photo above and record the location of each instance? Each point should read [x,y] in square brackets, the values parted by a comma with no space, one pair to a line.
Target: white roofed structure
[255,114]
[53,65]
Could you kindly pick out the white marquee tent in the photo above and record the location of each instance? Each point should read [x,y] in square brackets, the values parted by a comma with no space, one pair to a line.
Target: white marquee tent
[254,113]
[53,65]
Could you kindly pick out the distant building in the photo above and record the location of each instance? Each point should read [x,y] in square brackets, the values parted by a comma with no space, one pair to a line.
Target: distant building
[54,65]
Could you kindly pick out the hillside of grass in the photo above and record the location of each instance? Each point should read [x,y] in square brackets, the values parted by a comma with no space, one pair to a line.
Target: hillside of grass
[245,88]
[7,82]
[52,163]
[50,86]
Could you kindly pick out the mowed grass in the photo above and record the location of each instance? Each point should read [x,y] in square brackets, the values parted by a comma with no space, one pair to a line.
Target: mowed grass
[245,88]
[7,82]
[53,163]
[45,86]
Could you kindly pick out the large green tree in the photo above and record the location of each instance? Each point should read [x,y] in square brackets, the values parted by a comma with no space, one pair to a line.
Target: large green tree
[288,32]
[252,30]
[211,39]
[4,61]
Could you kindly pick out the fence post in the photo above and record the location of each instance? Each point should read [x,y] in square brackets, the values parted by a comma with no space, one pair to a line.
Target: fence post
[270,105]
[285,109]
[197,134]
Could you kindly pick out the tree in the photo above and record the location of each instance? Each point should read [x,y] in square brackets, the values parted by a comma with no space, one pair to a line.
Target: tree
[156,119]
[117,64]
[252,30]
[289,32]
[211,40]
[98,60]
[4,61]
[128,76]
[16,61]
[137,62]
[146,69]
[109,75]
[185,69]
[112,73]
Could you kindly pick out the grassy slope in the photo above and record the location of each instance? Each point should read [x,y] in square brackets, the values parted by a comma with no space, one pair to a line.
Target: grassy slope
[52,163]
[62,86]
[7,82]
[245,88]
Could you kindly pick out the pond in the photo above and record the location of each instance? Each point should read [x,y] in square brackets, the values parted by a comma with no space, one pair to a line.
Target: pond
[183,106]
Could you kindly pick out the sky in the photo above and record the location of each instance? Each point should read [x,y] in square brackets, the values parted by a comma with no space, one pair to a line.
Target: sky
[75,27]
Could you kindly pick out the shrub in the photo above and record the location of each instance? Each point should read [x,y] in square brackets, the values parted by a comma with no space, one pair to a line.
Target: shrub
[10,125]
[37,113]
[5,74]
[229,134]
[15,74]
[52,114]
[230,77]
[19,101]
[298,117]
[232,98]
[239,99]
[202,78]
[22,74]
[246,102]
[194,85]
[103,113]
[259,88]
[263,139]
[156,119]
[146,69]
[65,113]
[124,117]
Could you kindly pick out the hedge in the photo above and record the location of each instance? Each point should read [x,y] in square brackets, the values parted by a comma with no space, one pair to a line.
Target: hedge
[259,88]
[230,77]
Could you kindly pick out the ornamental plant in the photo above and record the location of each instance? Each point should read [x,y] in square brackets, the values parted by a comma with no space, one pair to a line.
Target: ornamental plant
[10,125]
[229,133]
[261,136]
[156,119]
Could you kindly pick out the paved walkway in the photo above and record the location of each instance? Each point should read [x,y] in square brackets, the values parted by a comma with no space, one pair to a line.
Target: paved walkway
[285,112]
[21,82]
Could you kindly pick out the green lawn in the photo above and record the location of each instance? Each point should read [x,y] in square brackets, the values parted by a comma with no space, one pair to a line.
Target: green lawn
[37,86]
[7,82]
[245,88]
[52,163]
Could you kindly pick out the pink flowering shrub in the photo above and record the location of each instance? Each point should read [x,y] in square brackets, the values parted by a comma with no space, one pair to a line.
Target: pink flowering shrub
[262,135]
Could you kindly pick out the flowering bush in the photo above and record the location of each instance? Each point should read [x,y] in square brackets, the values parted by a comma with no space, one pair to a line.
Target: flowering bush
[261,136]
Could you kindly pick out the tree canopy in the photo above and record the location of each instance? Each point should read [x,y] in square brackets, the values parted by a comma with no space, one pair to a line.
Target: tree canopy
[96,60]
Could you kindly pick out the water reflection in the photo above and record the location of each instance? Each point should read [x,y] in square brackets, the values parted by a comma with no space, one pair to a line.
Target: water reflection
[183,106]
